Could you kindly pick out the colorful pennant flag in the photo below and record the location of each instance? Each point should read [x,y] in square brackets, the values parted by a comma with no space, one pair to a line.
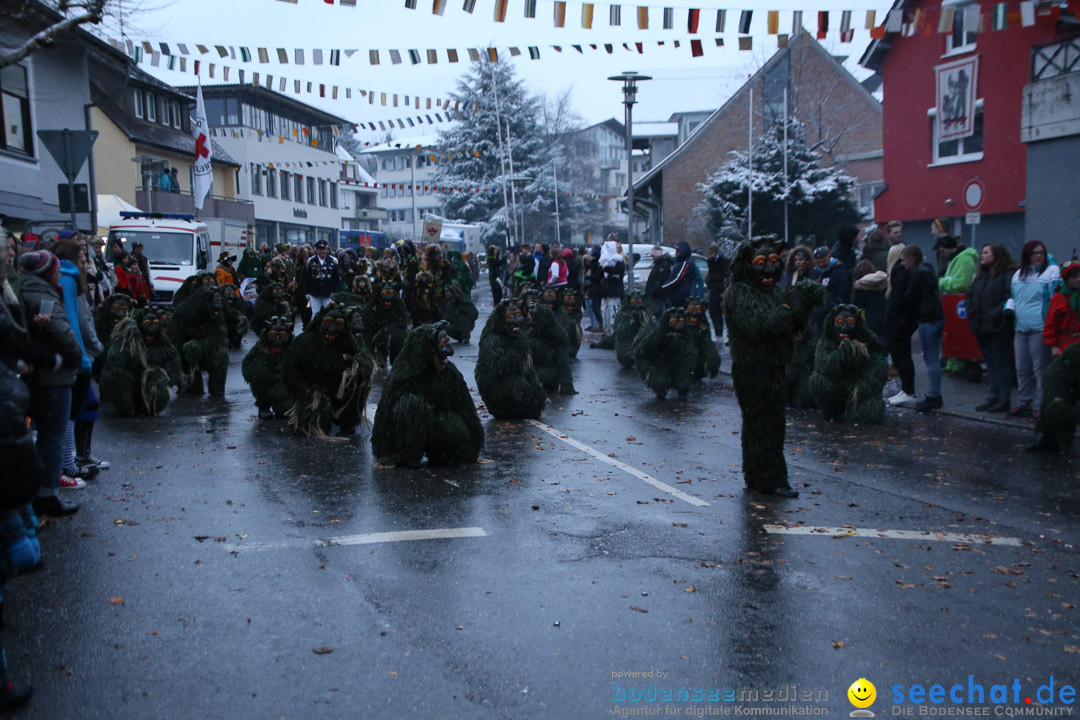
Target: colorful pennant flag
[846,33]
[668,18]
[796,22]
[822,24]
[945,22]
[560,14]
[586,15]
[773,22]
[642,17]
[469,6]
[696,49]
[721,20]
[615,15]
[530,8]
[438,7]
[692,19]
[744,22]
[500,10]
[1027,13]
[1000,16]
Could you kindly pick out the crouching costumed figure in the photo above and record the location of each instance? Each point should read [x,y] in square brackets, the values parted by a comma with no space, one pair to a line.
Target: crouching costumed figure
[505,376]
[849,370]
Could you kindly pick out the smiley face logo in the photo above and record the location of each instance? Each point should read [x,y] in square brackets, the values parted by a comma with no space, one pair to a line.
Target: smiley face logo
[862,693]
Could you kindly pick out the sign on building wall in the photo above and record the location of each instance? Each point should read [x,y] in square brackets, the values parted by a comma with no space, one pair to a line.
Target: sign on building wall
[956,98]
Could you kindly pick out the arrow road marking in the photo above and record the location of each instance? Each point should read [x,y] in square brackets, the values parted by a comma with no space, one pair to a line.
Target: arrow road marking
[893,534]
[645,477]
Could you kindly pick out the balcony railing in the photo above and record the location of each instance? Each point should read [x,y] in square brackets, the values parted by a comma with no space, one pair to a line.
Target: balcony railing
[182,202]
[1055,58]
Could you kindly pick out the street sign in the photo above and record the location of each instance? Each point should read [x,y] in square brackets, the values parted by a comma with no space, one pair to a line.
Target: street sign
[82,198]
[973,218]
[69,148]
[974,192]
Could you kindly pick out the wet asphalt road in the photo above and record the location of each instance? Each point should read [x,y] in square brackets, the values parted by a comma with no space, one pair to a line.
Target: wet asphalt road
[210,572]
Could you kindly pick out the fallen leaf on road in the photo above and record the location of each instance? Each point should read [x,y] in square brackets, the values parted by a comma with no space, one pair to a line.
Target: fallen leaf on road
[691,589]
[116,600]
[1072,648]
[635,608]
[838,644]
[460,627]
[905,586]
[324,650]
[679,524]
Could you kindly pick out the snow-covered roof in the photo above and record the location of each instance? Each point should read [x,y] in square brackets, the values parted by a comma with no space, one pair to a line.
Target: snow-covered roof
[655,129]
[398,144]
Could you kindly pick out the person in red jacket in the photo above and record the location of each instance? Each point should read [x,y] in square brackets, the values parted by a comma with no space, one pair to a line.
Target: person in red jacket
[130,280]
[1062,326]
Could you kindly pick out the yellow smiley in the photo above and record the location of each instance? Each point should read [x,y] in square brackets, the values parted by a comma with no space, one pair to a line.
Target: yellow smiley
[862,693]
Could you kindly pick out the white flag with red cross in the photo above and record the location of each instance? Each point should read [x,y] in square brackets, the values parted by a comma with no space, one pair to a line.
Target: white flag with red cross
[202,170]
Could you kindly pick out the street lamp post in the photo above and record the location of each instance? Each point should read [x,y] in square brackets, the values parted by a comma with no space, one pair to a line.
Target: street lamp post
[630,79]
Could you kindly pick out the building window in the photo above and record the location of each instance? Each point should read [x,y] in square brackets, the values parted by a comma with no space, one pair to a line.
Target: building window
[298,188]
[138,105]
[15,110]
[284,184]
[151,107]
[256,179]
[387,164]
[334,195]
[865,195]
[323,200]
[960,40]
[382,191]
[271,183]
[164,115]
[174,115]
[311,196]
[969,149]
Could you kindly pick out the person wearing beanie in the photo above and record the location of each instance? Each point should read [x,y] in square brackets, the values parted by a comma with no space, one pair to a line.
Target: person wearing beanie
[51,400]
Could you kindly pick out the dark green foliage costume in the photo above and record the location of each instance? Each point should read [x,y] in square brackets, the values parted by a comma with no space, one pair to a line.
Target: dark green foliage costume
[191,284]
[386,322]
[571,319]
[505,376]
[116,308]
[165,315]
[199,332]
[666,355]
[424,299]
[327,375]
[130,378]
[236,319]
[849,369]
[460,313]
[262,367]
[762,321]
[697,327]
[426,408]
[271,302]
[798,371]
[547,344]
[633,318]
[160,352]
[1059,411]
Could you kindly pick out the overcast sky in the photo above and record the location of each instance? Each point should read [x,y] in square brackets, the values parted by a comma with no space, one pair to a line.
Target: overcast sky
[680,83]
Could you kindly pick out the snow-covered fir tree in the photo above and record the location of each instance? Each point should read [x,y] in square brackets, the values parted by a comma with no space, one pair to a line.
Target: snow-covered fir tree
[472,165]
[818,199]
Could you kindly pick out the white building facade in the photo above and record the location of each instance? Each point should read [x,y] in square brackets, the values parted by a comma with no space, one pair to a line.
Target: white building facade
[405,171]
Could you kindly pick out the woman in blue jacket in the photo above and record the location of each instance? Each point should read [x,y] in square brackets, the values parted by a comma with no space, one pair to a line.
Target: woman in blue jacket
[1032,287]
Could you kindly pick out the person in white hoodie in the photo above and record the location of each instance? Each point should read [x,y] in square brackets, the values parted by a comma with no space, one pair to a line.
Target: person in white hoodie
[611,287]
[1032,287]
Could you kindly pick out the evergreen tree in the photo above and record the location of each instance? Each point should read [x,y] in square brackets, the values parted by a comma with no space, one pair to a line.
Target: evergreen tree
[472,167]
[818,199]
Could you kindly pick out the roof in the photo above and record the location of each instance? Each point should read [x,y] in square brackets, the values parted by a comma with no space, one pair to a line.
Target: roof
[611,124]
[875,51]
[319,117]
[718,114]
[656,129]
[399,144]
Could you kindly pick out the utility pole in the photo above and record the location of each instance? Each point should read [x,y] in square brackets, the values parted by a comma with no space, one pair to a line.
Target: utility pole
[630,79]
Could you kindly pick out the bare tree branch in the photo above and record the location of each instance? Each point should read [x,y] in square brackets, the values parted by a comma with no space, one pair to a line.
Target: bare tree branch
[91,12]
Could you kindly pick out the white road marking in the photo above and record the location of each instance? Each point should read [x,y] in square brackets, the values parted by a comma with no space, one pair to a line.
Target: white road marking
[893,534]
[645,477]
[403,535]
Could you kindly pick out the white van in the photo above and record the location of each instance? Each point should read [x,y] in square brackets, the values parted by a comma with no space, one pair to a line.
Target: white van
[176,245]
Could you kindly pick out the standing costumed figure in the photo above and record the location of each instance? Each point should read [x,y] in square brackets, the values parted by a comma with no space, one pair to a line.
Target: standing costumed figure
[849,372]
[505,377]
[262,368]
[358,293]
[165,316]
[327,374]
[160,352]
[666,356]
[199,332]
[571,320]
[424,300]
[191,284]
[386,322]
[1059,410]
[131,383]
[426,408]
[762,322]
[272,302]
[697,326]
[236,319]
[633,318]
[460,313]
[547,344]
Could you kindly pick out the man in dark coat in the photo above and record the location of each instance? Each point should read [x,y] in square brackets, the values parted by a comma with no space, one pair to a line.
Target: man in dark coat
[716,280]
[323,277]
[835,278]
[683,279]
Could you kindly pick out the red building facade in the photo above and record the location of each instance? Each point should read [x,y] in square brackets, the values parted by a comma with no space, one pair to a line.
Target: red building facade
[925,177]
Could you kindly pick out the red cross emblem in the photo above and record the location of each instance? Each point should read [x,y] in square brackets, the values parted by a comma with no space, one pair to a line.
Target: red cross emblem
[201,149]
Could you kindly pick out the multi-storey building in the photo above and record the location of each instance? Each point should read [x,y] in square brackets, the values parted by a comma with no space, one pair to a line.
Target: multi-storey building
[404,170]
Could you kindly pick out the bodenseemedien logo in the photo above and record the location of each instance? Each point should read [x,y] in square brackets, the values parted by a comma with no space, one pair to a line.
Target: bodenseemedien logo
[862,694]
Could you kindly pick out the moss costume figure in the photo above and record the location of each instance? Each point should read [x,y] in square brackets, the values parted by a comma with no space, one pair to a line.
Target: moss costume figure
[849,369]
[547,345]
[426,408]
[131,379]
[361,290]
[666,355]
[165,315]
[762,321]
[271,302]
[697,327]
[191,284]
[386,322]
[115,309]
[505,376]
[1059,411]
[425,301]
[236,319]
[199,332]
[327,375]
[571,319]
[633,318]
[160,352]
[262,368]
[460,313]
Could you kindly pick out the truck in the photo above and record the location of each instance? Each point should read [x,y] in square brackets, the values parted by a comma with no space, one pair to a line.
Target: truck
[176,245]
[463,237]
